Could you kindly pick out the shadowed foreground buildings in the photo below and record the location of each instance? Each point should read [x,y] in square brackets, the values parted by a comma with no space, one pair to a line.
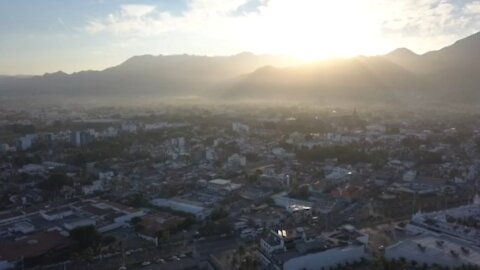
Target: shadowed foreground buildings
[186,186]
[298,249]
[32,247]
[434,250]
[448,238]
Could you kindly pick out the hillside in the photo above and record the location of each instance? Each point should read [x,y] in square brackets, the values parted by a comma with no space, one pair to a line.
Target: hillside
[400,77]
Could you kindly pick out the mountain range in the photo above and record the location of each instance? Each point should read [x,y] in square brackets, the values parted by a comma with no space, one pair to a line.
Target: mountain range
[450,74]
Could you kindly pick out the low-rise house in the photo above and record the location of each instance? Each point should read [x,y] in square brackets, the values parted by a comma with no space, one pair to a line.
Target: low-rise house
[222,186]
[55,214]
[195,208]
[151,226]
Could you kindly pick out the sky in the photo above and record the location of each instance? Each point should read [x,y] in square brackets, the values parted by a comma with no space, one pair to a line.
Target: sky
[39,36]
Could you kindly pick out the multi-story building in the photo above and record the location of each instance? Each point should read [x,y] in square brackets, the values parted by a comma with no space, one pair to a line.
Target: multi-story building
[197,209]
[455,223]
[80,138]
[434,250]
[25,142]
[297,249]
[448,238]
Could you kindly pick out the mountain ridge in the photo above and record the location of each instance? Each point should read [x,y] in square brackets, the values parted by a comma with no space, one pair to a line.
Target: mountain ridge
[399,76]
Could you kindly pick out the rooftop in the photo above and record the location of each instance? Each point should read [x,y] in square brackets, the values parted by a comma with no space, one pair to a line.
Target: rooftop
[32,246]
[220,182]
[445,250]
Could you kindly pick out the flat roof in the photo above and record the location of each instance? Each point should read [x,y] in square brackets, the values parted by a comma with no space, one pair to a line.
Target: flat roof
[33,245]
[56,211]
[220,181]
[442,249]
[10,214]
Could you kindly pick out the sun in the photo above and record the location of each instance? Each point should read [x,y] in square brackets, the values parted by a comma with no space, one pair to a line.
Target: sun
[317,29]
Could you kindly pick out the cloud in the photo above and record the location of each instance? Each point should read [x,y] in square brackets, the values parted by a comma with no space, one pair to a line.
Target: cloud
[322,27]
[252,6]
[136,11]
[146,20]
[423,18]
[472,8]
[140,20]
[63,25]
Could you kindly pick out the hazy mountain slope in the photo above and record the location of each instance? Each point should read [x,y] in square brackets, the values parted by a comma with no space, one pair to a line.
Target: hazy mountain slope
[461,54]
[400,77]
[362,78]
[456,70]
[464,53]
[447,75]
[142,75]
[409,61]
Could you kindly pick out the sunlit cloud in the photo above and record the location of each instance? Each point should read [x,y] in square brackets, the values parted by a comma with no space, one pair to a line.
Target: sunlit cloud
[136,11]
[473,8]
[310,28]
[425,17]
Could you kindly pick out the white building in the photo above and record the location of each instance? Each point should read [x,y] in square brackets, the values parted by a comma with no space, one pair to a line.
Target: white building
[222,185]
[70,225]
[279,152]
[210,154]
[4,265]
[108,175]
[56,214]
[338,173]
[126,213]
[25,142]
[80,138]
[33,169]
[129,127]
[376,129]
[409,176]
[327,258]
[443,223]
[109,132]
[179,145]
[293,250]
[4,148]
[434,250]
[237,160]
[199,211]
[23,227]
[96,186]
[240,128]
[282,199]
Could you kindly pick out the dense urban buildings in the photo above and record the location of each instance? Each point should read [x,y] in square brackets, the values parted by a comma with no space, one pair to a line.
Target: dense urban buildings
[184,187]
[240,135]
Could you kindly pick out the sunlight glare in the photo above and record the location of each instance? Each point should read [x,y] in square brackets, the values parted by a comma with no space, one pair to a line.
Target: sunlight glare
[317,29]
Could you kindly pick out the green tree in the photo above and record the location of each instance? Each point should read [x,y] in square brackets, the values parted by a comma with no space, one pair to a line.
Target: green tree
[218,213]
[165,235]
[54,182]
[86,237]
[300,192]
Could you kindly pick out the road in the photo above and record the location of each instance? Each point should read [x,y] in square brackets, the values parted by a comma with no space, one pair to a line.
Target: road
[133,260]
